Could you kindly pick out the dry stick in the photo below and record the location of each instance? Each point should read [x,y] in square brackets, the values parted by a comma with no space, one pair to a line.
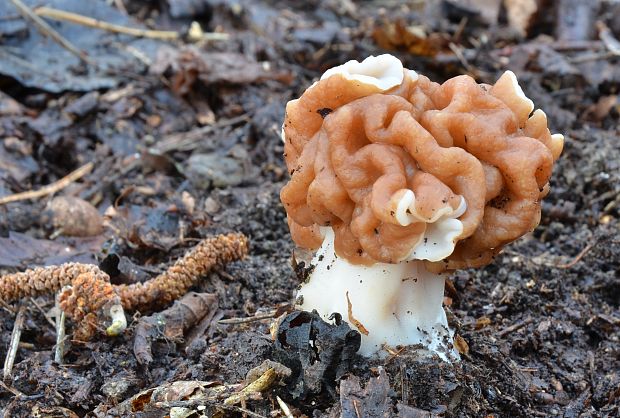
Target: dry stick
[244,411]
[15,337]
[185,141]
[12,390]
[246,320]
[47,30]
[50,188]
[40,308]
[79,19]
[59,351]
[120,6]
[515,327]
[7,307]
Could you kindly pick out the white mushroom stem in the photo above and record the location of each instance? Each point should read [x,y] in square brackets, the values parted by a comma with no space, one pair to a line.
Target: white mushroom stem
[390,304]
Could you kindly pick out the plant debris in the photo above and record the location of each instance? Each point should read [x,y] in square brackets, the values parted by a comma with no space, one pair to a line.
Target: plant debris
[172,323]
[318,353]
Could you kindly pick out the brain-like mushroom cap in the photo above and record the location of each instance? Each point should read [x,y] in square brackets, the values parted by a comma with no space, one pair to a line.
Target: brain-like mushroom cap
[404,168]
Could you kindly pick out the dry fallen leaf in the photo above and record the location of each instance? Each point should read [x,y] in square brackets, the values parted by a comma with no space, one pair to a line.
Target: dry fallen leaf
[190,64]
[482,322]
[461,345]
[413,39]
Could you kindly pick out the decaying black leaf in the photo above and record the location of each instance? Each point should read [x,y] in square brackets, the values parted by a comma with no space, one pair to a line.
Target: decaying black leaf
[318,353]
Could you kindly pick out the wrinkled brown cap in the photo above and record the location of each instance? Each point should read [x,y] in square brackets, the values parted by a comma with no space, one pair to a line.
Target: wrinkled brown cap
[353,150]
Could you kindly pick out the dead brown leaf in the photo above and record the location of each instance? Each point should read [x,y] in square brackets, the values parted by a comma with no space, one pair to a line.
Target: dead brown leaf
[482,322]
[413,39]
[461,345]
[172,322]
[190,64]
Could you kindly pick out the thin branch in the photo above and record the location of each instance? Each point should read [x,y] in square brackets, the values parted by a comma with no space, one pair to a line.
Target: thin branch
[166,35]
[50,188]
[246,320]
[15,337]
[47,30]
[59,350]
[516,326]
[79,19]
[40,308]
[12,390]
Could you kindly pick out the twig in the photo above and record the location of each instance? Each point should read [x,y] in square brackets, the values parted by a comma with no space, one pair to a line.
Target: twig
[259,317]
[79,19]
[597,56]
[120,6]
[166,35]
[393,354]
[458,52]
[59,351]
[15,337]
[12,390]
[47,30]
[284,407]
[356,407]
[7,307]
[360,327]
[515,326]
[578,257]
[40,308]
[50,188]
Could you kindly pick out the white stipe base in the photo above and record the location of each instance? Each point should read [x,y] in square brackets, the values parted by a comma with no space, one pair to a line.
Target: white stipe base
[395,304]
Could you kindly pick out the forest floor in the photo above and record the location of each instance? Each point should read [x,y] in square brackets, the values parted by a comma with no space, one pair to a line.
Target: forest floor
[179,139]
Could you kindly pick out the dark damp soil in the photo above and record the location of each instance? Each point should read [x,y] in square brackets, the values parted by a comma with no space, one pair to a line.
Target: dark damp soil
[185,143]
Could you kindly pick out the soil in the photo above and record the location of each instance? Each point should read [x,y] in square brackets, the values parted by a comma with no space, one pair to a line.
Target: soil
[185,143]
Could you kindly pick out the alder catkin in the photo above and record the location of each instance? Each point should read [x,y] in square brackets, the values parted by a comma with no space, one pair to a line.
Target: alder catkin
[44,280]
[88,294]
[175,282]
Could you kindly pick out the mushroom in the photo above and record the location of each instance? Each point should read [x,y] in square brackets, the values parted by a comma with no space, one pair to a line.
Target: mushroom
[397,180]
